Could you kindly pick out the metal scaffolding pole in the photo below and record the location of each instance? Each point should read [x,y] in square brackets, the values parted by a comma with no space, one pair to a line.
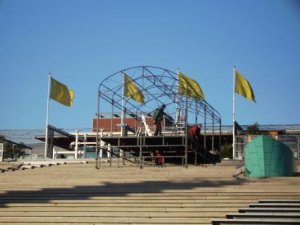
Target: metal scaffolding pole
[98,161]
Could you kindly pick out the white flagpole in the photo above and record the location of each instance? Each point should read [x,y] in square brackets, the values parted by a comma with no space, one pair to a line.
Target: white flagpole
[233,113]
[186,131]
[186,111]
[123,108]
[177,119]
[47,114]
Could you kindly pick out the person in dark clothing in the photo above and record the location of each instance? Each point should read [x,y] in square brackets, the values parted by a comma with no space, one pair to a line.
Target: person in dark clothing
[158,116]
[195,131]
[159,159]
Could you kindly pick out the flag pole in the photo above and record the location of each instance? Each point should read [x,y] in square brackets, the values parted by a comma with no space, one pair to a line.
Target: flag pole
[98,161]
[177,120]
[233,112]
[123,108]
[47,117]
[186,130]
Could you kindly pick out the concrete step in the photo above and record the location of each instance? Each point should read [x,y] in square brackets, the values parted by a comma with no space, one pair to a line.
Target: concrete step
[129,204]
[254,210]
[105,220]
[116,209]
[134,214]
[273,215]
[256,221]
[103,200]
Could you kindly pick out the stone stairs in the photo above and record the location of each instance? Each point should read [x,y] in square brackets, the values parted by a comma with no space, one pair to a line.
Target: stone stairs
[265,212]
[81,194]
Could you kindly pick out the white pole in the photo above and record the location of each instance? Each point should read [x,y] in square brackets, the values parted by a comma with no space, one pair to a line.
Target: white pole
[97,132]
[177,120]
[123,109]
[196,116]
[233,114]
[84,146]
[123,112]
[47,115]
[76,144]
[186,132]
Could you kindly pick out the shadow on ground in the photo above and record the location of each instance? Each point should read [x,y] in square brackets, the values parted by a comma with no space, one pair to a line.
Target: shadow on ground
[109,189]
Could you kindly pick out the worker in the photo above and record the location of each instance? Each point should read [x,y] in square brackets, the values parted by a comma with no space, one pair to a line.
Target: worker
[158,117]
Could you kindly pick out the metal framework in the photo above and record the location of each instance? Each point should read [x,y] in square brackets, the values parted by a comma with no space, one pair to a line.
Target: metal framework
[159,86]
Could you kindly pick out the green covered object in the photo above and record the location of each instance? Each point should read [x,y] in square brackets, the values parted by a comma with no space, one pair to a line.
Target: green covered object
[267,157]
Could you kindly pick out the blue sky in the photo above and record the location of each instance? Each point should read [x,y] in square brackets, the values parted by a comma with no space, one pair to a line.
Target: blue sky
[81,42]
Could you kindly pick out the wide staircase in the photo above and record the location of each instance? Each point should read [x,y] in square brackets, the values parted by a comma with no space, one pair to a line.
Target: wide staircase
[81,194]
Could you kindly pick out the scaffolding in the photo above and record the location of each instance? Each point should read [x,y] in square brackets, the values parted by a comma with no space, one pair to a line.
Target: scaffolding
[159,86]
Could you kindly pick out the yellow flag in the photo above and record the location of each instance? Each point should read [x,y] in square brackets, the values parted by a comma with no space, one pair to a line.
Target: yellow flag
[61,93]
[131,90]
[243,87]
[189,87]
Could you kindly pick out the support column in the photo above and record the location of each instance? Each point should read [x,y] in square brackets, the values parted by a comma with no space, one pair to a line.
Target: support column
[109,155]
[1,151]
[76,144]
[186,134]
[298,147]
[141,154]
[84,146]
[213,133]
[204,144]
[102,144]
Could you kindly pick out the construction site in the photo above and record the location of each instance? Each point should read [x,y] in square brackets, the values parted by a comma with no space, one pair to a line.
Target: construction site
[125,128]
[145,170]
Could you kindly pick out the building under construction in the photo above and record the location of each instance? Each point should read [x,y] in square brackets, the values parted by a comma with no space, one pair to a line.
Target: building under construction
[129,125]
